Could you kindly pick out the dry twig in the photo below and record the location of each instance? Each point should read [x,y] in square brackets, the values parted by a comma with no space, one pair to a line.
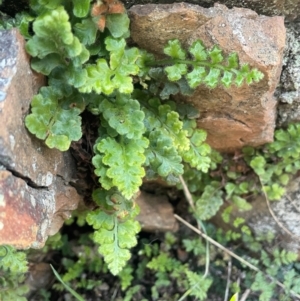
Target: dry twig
[228,279]
[242,260]
[274,216]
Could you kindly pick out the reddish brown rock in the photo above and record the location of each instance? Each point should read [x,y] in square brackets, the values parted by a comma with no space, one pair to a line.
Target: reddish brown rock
[156,213]
[35,196]
[20,151]
[28,215]
[233,117]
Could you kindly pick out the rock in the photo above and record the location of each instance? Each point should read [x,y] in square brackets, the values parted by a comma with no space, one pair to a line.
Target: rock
[156,213]
[40,277]
[289,9]
[289,89]
[234,117]
[35,196]
[262,223]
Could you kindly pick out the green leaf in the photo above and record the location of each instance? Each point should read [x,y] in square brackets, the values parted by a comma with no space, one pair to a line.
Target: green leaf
[215,55]
[175,50]
[13,267]
[162,118]
[118,25]
[75,76]
[126,277]
[287,142]
[47,64]
[144,61]
[226,79]
[258,164]
[53,24]
[189,113]
[12,260]
[24,25]
[184,87]
[162,156]
[198,50]
[176,71]
[209,203]
[40,47]
[239,79]
[124,158]
[68,288]
[196,77]
[198,154]
[274,192]
[163,263]
[81,8]
[49,121]
[40,5]
[124,115]
[53,35]
[115,238]
[230,188]
[117,76]
[169,89]
[101,172]
[60,142]
[241,203]
[75,48]
[98,78]
[226,214]
[86,31]
[212,78]
[243,187]
[265,287]
[198,285]
[233,60]
[116,47]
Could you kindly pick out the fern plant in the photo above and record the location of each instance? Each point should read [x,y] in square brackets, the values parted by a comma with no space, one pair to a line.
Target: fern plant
[92,68]
[278,161]
[209,66]
[13,266]
[278,265]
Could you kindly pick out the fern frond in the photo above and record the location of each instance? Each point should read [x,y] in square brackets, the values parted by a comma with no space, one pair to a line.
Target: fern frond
[115,228]
[208,66]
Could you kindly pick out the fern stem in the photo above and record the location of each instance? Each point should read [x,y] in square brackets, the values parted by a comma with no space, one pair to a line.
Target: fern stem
[185,295]
[166,62]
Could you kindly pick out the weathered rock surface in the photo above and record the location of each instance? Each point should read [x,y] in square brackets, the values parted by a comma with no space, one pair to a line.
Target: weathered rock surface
[34,195]
[233,117]
[289,9]
[156,213]
[286,230]
[289,89]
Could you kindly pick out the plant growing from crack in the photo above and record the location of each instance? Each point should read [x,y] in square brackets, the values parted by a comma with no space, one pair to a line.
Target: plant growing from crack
[139,134]
[142,133]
